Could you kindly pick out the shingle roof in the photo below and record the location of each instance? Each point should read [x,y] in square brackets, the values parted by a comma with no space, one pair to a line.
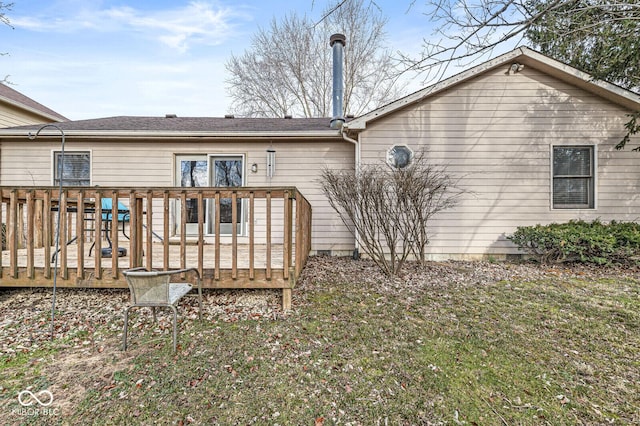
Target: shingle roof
[16,98]
[194,124]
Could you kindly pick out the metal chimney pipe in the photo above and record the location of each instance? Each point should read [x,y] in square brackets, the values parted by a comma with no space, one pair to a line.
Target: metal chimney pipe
[337,42]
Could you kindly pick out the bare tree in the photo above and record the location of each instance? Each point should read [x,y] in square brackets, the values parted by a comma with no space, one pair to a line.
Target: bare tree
[597,36]
[3,17]
[5,20]
[388,209]
[287,70]
[584,33]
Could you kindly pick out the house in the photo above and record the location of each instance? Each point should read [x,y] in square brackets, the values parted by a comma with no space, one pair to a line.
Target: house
[17,109]
[532,139]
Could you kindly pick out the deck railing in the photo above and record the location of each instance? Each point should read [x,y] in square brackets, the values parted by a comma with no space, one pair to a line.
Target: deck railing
[269,251]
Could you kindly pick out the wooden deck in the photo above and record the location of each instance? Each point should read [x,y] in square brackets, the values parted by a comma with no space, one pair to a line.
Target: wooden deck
[191,258]
[272,257]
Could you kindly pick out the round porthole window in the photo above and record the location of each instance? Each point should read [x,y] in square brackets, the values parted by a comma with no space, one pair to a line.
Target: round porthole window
[399,156]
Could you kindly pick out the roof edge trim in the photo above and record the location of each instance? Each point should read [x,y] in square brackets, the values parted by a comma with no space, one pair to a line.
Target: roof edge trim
[137,134]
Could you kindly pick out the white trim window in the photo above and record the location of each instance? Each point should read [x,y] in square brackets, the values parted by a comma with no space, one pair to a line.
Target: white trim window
[77,168]
[573,177]
[399,156]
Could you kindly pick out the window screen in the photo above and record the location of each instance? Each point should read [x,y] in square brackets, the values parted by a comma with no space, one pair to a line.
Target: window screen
[573,180]
[75,169]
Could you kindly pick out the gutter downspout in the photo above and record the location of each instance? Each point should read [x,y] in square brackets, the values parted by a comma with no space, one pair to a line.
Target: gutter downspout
[356,143]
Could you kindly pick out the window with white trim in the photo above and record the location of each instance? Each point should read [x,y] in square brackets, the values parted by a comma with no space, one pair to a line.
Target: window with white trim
[75,169]
[573,177]
[399,156]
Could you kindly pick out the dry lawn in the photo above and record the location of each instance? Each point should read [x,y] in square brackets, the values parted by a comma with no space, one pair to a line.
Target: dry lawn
[458,343]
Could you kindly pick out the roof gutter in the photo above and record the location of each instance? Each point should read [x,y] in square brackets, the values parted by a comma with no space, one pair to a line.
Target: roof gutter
[132,134]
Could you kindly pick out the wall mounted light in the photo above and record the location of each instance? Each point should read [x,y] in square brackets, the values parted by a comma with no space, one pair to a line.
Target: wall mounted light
[271,162]
[254,168]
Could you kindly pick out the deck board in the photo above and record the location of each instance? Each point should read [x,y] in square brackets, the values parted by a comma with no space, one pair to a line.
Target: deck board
[260,253]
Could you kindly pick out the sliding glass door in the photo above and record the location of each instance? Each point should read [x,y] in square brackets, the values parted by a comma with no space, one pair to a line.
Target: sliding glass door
[226,171]
[192,172]
[211,170]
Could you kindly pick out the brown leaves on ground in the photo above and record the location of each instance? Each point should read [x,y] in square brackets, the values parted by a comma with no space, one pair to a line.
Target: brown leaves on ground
[416,279]
[88,323]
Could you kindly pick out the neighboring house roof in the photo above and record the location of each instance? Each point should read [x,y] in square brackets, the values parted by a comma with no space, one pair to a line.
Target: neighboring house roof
[521,55]
[172,126]
[17,99]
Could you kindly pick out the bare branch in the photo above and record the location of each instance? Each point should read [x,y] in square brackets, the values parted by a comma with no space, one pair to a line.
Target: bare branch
[330,11]
[388,209]
[288,68]
[3,16]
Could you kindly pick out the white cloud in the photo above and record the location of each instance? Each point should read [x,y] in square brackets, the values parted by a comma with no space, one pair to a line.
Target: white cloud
[197,23]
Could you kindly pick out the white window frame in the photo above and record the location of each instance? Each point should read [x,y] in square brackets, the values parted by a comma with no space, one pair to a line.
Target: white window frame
[67,152]
[243,208]
[594,177]
[391,160]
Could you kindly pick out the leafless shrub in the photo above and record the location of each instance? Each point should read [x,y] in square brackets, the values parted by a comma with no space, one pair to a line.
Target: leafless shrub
[388,209]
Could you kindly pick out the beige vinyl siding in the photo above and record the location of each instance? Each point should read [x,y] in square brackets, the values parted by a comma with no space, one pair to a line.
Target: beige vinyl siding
[495,134]
[11,116]
[152,163]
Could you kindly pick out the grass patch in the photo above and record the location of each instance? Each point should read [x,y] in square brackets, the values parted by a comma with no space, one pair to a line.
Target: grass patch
[547,351]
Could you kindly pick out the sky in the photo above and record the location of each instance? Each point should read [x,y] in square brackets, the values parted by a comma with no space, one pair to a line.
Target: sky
[92,59]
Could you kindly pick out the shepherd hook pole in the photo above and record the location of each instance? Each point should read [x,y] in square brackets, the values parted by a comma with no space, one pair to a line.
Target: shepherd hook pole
[57,238]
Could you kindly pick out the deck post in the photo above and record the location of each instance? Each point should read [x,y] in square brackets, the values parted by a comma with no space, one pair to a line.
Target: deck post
[234,235]
[288,232]
[97,253]
[12,237]
[216,272]
[114,234]
[268,260]
[149,235]
[251,221]
[286,299]
[62,236]
[39,211]
[137,203]
[183,230]
[30,232]
[4,224]
[200,234]
[165,230]
[80,234]
[46,231]
[134,261]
